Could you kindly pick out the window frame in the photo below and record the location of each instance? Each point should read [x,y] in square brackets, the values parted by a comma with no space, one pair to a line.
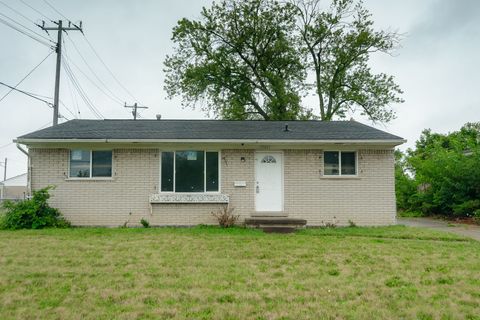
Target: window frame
[204,171]
[90,177]
[340,175]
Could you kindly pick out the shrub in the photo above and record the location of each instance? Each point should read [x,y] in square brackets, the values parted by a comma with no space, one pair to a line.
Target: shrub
[225,217]
[476,216]
[34,213]
[145,223]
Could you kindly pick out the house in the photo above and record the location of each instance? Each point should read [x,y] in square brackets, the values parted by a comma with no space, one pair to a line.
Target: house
[176,172]
[14,188]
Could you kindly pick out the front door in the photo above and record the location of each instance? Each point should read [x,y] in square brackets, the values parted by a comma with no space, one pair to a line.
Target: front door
[269,181]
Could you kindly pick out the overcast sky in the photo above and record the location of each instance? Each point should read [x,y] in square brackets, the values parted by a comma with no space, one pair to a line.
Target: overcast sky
[438,65]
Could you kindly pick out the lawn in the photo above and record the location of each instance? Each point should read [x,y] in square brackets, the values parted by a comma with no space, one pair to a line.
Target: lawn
[210,273]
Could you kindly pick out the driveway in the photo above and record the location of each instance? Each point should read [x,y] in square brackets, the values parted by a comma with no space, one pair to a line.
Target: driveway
[461,229]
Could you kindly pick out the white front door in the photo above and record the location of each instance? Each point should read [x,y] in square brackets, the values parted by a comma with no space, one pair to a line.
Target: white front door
[269,181]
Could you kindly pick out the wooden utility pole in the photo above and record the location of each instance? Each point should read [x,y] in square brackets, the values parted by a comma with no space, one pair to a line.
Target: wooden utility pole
[60,29]
[135,107]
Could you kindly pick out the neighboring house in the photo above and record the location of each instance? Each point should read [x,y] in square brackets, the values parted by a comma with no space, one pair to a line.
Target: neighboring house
[176,172]
[14,188]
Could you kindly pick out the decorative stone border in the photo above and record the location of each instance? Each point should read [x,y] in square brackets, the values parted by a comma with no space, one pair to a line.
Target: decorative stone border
[189,198]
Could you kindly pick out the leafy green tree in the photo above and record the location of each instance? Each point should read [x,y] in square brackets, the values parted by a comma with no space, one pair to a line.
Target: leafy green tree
[252,59]
[405,186]
[240,59]
[447,167]
[339,43]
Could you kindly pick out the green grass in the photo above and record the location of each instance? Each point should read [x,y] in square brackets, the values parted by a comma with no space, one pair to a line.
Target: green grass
[210,273]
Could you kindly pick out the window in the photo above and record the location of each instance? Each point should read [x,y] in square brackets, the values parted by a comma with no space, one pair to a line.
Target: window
[269,159]
[90,164]
[340,163]
[189,171]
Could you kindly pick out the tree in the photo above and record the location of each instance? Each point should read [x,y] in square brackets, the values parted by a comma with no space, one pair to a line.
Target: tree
[447,166]
[240,59]
[405,185]
[250,59]
[338,43]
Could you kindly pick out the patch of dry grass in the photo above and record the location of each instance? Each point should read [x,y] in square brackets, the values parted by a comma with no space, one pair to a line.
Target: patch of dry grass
[209,273]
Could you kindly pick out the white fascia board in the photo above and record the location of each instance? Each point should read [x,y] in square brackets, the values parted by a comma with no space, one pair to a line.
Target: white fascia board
[249,141]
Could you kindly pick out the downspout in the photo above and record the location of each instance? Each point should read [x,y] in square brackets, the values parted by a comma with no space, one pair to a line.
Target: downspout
[29,170]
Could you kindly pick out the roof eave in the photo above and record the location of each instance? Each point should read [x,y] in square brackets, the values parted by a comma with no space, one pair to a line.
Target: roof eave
[393,142]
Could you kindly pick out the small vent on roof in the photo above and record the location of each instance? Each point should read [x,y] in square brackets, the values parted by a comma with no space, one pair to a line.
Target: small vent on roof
[159,116]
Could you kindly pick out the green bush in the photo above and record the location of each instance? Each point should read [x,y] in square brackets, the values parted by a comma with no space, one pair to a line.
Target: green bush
[145,223]
[34,213]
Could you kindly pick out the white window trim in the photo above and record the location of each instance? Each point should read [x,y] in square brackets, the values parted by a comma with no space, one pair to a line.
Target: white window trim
[91,160]
[219,152]
[340,175]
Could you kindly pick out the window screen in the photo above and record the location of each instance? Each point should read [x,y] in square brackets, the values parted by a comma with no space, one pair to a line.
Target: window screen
[167,171]
[189,171]
[331,163]
[101,163]
[80,163]
[211,171]
[340,163]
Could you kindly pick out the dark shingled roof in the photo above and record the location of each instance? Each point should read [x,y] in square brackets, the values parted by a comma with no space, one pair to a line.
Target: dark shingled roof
[211,129]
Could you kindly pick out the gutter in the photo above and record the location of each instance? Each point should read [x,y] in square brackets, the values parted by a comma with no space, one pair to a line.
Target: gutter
[252,141]
[29,169]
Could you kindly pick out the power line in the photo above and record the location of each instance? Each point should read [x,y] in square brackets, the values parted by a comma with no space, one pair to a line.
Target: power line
[18,12]
[108,69]
[80,90]
[28,74]
[54,9]
[37,11]
[31,95]
[25,33]
[74,98]
[27,28]
[91,81]
[112,96]
[68,109]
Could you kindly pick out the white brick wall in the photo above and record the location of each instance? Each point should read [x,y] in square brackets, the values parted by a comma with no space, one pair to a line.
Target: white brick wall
[366,200]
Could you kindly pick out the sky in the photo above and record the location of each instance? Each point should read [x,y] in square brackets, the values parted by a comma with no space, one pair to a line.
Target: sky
[437,64]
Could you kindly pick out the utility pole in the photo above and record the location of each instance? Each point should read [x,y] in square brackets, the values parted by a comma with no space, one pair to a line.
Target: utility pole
[60,29]
[135,107]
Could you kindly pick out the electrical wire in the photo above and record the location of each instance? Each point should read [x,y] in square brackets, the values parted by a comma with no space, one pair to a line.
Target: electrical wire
[28,74]
[80,91]
[37,11]
[74,99]
[27,28]
[112,96]
[27,34]
[31,95]
[68,109]
[108,69]
[54,9]
[18,12]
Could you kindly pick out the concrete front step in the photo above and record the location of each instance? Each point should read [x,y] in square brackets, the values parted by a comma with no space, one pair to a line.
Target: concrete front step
[275,224]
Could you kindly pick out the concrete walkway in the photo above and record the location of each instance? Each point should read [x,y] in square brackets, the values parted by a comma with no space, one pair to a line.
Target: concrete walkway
[461,229]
